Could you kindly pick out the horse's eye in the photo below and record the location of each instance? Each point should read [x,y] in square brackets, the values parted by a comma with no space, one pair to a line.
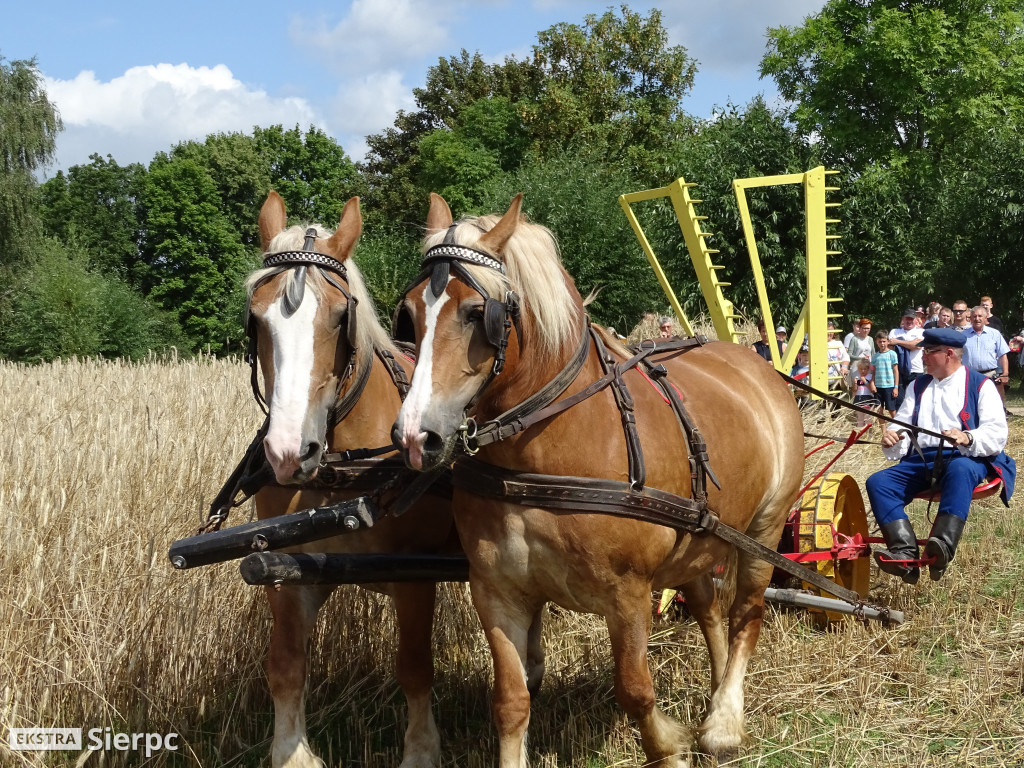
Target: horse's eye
[476,315]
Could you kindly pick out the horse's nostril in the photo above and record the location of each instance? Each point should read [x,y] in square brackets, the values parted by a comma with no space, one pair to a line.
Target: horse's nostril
[311,450]
[433,444]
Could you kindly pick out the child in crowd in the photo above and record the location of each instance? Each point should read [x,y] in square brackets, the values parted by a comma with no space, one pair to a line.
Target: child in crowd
[886,373]
[864,392]
[799,372]
[803,364]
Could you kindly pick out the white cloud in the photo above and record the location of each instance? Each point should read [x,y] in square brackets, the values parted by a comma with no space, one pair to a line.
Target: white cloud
[151,108]
[366,105]
[729,36]
[375,35]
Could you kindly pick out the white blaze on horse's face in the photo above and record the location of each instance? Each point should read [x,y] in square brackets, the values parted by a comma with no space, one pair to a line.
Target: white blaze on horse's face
[421,390]
[454,359]
[301,385]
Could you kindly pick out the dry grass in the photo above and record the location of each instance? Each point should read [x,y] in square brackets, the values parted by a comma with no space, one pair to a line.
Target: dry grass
[104,464]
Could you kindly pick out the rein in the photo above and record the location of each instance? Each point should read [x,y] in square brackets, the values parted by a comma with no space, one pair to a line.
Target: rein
[912,429]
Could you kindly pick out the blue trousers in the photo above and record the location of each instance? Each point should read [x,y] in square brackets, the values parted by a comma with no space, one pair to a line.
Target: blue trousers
[891,489]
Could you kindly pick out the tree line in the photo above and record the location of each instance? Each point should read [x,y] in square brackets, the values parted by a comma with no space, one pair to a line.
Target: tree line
[918,105]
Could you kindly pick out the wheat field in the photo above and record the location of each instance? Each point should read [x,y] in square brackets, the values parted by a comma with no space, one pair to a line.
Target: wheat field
[104,464]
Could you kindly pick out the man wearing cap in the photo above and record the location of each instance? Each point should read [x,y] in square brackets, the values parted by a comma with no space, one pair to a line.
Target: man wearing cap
[780,337]
[965,408]
[762,346]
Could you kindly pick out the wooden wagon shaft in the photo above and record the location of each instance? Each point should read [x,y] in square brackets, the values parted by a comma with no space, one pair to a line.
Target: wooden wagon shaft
[274,533]
[337,568]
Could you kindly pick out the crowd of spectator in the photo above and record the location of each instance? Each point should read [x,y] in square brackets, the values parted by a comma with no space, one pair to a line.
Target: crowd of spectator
[894,356]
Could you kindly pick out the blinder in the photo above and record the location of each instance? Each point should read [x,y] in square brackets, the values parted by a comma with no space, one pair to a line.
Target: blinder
[439,263]
[402,327]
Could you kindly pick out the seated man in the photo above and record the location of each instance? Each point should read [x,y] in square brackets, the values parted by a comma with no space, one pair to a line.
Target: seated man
[964,406]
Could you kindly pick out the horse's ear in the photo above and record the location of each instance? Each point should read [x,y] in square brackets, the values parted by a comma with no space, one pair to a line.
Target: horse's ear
[496,238]
[439,218]
[351,226]
[272,219]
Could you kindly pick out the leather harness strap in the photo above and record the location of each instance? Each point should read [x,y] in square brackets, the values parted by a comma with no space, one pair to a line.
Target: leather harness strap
[700,464]
[612,497]
[860,409]
[626,405]
[579,494]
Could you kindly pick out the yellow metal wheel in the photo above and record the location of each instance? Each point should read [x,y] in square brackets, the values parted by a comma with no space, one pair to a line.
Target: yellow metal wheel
[835,502]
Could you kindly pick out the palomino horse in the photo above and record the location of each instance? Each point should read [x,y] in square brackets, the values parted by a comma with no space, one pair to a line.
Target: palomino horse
[325,361]
[497,320]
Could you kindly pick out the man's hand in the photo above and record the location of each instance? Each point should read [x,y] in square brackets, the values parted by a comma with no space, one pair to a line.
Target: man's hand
[890,437]
[960,437]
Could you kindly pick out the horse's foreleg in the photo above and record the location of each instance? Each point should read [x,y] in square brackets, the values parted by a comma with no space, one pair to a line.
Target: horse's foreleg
[414,668]
[535,653]
[294,610]
[703,604]
[723,729]
[506,625]
[665,741]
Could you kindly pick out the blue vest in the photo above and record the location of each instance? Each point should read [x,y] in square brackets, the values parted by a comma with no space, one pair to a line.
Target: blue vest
[1001,464]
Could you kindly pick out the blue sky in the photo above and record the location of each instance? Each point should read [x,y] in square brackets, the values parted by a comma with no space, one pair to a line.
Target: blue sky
[133,78]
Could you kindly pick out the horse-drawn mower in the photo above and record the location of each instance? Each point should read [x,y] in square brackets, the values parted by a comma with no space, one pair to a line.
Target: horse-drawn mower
[825,538]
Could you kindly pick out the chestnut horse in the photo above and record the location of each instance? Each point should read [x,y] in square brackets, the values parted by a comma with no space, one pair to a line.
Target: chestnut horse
[496,317]
[318,341]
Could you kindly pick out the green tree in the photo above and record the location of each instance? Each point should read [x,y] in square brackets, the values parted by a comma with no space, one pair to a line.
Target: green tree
[393,167]
[741,143]
[457,163]
[921,105]
[574,193]
[874,78]
[29,124]
[612,83]
[614,80]
[195,259]
[235,164]
[62,306]
[310,171]
[98,206]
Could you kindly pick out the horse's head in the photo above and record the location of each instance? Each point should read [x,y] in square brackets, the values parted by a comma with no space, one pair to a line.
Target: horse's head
[491,290]
[302,320]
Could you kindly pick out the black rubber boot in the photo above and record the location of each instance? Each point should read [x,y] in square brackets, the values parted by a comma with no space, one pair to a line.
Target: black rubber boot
[902,545]
[942,543]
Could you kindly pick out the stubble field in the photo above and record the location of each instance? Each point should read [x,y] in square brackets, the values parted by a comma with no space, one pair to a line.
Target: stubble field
[104,464]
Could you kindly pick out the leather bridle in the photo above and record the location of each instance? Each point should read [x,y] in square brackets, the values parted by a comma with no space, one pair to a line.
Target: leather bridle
[330,269]
[500,316]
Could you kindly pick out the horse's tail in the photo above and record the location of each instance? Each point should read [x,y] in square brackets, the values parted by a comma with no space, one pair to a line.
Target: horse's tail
[725,580]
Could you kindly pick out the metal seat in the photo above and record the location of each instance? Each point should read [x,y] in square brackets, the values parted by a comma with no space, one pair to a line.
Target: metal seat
[988,488]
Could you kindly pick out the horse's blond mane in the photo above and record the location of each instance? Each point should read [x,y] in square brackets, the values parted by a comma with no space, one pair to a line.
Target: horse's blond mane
[534,271]
[369,332]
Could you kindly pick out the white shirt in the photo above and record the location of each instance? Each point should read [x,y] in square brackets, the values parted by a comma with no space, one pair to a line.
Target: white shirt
[837,356]
[915,333]
[941,403]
